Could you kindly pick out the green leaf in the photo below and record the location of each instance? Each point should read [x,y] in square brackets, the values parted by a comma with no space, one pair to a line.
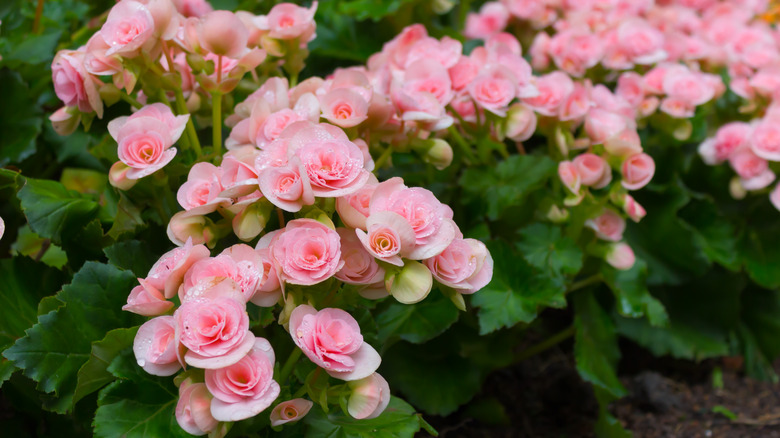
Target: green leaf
[24,283]
[419,322]
[760,248]
[595,345]
[139,408]
[607,426]
[53,211]
[545,248]
[373,9]
[94,374]
[680,340]
[20,122]
[30,244]
[54,349]
[508,183]
[516,293]
[633,298]
[128,218]
[398,420]
[35,49]
[712,232]
[131,255]
[437,380]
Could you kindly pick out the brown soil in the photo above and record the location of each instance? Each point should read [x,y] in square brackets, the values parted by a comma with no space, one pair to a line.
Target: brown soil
[544,397]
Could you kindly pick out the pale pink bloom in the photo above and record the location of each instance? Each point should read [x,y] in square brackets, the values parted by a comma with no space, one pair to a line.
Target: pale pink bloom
[729,138]
[95,59]
[238,175]
[344,107]
[168,272]
[213,324]
[463,72]
[353,209]
[2,227]
[601,125]
[575,50]
[570,176]
[690,87]
[290,411]
[73,85]
[306,252]
[774,197]
[642,43]
[648,106]
[465,265]
[271,290]
[520,122]
[193,410]
[389,237]
[145,138]
[654,79]
[631,88]
[369,397]
[753,170]
[193,8]
[624,144]
[360,267]
[445,51]
[576,105]
[620,256]
[245,388]
[201,193]
[766,81]
[240,263]
[333,164]
[493,89]
[422,108]
[65,120]
[539,51]
[765,140]
[431,220]
[272,126]
[503,41]
[155,346]
[146,300]
[637,170]
[331,339]
[428,76]
[491,19]
[222,33]
[286,21]
[593,170]
[127,29]
[608,226]
[553,88]
[287,187]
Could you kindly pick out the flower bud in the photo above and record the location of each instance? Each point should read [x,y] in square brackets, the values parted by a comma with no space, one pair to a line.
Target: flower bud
[250,222]
[185,225]
[370,396]
[117,176]
[774,198]
[223,34]
[620,256]
[434,151]
[520,122]
[65,120]
[411,284]
[193,411]
[290,411]
[736,189]
[557,215]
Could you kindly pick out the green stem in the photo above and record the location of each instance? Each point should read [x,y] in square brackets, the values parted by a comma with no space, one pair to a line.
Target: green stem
[293,80]
[577,285]
[129,99]
[461,142]
[216,121]
[181,106]
[38,15]
[383,158]
[289,365]
[544,345]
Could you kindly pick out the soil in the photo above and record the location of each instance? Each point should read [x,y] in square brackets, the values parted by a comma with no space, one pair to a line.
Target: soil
[545,397]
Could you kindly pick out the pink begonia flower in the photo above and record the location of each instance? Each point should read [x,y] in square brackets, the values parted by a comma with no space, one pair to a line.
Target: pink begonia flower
[631,87]
[730,138]
[223,34]
[155,346]
[129,26]
[274,124]
[201,193]
[428,76]
[520,123]
[238,175]
[168,272]
[463,72]
[608,226]
[491,19]
[774,197]
[353,209]
[641,42]
[146,300]
[2,227]
[493,89]
[287,21]
[369,397]
[240,263]
[95,59]
[306,252]
[637,171]
[620,256]
[601,125]
[575,50]
[213,324]
[576,105]
[570,176]
[632,208]
[624,144]
[193,410]
[290,411]
[73,85]
[245,388]
[270,291]
[423,108]
[65,121]
[344,107]
[360,267]
[593,170]
[466,265]
[431,220]
[553,89]
[389,237]
[146,138]
[333,164]
[539,51]
[765,140]
[287,187]
[753,170]
[193,8]
[331,339]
